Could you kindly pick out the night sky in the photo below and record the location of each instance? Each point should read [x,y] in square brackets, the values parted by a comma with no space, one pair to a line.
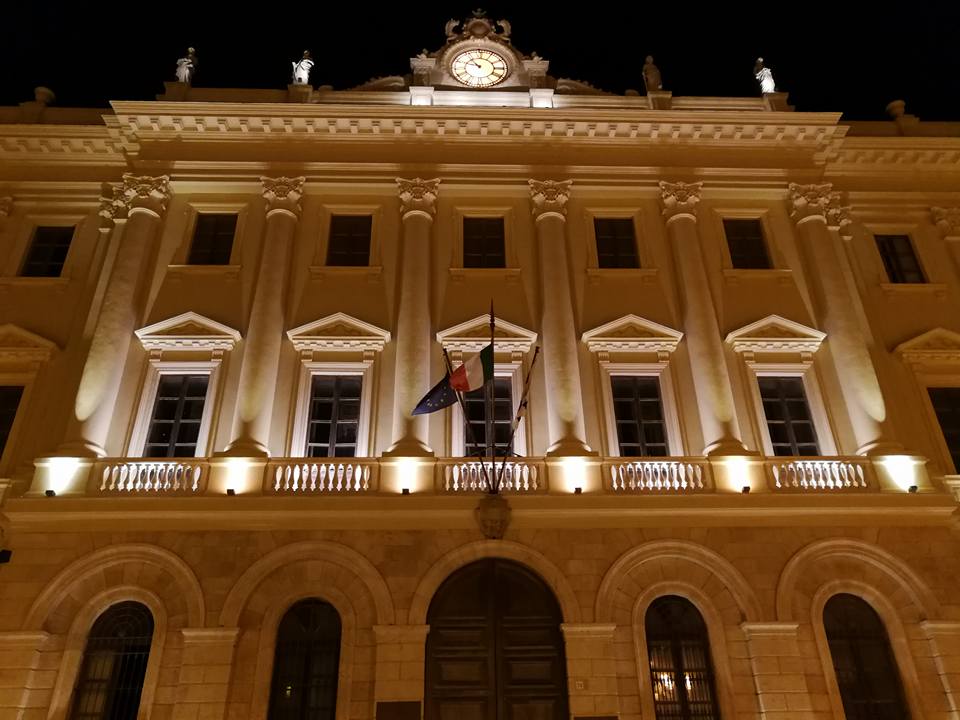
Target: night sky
[827,56]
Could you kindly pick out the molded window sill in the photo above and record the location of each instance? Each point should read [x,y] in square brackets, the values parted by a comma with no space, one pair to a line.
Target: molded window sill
[644,275]
[510,274]
[734,276]
[229,271]
[371,272]
[938,290]
[58,283]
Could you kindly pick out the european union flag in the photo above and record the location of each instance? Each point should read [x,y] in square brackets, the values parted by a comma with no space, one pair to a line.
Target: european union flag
[440,396]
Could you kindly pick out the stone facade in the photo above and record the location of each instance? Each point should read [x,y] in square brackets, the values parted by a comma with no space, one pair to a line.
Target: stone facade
[218,546]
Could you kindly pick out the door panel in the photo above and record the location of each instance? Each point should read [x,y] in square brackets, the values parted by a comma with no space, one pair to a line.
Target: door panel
[495,651]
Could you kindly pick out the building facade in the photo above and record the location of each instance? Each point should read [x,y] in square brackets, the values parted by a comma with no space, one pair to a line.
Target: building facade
[732,493]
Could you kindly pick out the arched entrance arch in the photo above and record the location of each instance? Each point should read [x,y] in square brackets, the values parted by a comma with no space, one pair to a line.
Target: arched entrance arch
[495,650]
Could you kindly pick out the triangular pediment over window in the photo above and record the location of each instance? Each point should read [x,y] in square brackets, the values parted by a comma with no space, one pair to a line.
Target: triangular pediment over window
[189,331]
[775,334]
[338,332]
[632,333]
[937,345]
[19,345]
[474,335]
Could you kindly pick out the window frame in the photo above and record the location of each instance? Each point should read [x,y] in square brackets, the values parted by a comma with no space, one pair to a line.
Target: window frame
[25,381]
[329,237]
[324,217]
[668,402]
[194,209]
[512,369]
[509,250]
[297,444]
[24,239]
[308,420]
[639,218]
[885,273]
[463,241]
[938,381]
[636,242]
[231,258]
[768,444]
[778,266]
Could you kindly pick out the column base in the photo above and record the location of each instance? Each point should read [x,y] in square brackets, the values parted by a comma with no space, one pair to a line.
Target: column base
[571,447]
[881,447]
[725,448]
[80,449]
[409,447]
[244,448]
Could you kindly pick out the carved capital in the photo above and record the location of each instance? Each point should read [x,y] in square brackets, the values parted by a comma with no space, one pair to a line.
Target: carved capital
[549,196]
[146,193]
[113,206]
[680,198]
[418,195]
[813,200]
[947,221]
[6,206]
[283,193]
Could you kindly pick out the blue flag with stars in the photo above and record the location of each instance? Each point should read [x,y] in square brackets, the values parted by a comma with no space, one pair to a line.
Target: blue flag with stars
[440,396]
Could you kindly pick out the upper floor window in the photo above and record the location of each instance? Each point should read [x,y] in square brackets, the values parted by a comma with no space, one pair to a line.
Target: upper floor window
[177,415]
[946,404]
[899,259]
[616,243]
[638,411]
[860,649]
[306,663]
[9,402]
[349,243]
[745,241]
[681,673]
[483,243]
[213,239]
[114,664]
[495,400]
[789,422]
[48,251]
[334,420]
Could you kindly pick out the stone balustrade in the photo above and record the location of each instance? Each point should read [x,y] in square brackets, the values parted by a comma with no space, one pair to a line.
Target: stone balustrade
[515,476]
[819,474]
[310,476]
[646,475]
[186,476]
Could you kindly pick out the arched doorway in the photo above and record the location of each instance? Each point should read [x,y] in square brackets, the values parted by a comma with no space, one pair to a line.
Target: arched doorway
[495,650]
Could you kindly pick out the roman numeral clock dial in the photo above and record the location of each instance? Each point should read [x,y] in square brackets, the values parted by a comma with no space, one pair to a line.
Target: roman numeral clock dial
[479,68]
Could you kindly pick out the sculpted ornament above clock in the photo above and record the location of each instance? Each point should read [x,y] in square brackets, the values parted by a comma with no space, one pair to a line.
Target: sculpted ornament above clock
[479,68]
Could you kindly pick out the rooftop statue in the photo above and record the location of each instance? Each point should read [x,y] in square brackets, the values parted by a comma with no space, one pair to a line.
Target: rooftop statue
[764,77]
[187,66]
[301,70]
[651,75]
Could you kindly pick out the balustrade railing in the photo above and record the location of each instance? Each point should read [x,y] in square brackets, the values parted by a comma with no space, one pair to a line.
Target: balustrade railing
[151,477]
[682,475]
[307,475]
[516,476]
[819,474]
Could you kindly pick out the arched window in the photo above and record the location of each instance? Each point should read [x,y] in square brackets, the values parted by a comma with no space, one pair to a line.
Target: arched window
[681,673]
[306,663]
[866,672]
[114,664]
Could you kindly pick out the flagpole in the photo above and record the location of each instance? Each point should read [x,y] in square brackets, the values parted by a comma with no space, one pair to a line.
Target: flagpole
[489,409]
[466,421]
[521,411]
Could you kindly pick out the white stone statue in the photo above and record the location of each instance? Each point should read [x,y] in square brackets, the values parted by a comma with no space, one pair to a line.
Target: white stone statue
[187,66]
[764,77]
[301,70]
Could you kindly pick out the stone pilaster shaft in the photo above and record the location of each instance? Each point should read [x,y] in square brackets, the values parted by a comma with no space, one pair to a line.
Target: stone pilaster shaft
[813,208]
[264,338]
[561,366]
[135,209]
[711,379]
[418,201]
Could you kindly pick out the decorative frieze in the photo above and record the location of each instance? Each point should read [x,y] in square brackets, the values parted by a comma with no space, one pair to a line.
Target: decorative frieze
[283,194]
[418,196]
[549,196]
[680,198]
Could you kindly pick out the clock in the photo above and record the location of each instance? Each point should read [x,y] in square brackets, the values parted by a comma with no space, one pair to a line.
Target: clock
[479,68]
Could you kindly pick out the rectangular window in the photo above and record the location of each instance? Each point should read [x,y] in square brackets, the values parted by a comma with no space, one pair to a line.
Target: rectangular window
[899,259]
[616,243]
[349,244]
[787,412]
[483,243]
[334,421]
[748,249]
[946,404]
[177,413]
[213,239]
[475,423]
[9,402]
[48,251]
[641,431]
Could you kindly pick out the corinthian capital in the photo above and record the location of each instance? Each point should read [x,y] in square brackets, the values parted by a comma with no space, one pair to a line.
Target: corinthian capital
[549,196]
[283,194]
[146,193]
[814,200]
[113,206]
[418,195]
[947,221]
[6,206]
[680,198]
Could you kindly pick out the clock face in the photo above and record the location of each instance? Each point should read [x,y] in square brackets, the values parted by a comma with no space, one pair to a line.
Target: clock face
[479,68]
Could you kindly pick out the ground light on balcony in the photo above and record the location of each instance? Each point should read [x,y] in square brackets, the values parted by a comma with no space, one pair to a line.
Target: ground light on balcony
[902,470]
[737,469]
[574,474]
[239,477]
[61,473]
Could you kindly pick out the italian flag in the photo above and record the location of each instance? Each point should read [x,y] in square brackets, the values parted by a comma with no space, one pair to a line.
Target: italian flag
[475,372]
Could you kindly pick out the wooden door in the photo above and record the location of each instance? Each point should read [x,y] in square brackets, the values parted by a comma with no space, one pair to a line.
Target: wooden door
[495,650]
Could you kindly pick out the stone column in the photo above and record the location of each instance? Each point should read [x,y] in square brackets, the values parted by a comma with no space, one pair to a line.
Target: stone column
[591,669]
[711,378]
[401,655]
[813,206]
[412,378]
[134,210]
[947,221]
[264,338]
[778,673]
[206,662]
[561,365]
